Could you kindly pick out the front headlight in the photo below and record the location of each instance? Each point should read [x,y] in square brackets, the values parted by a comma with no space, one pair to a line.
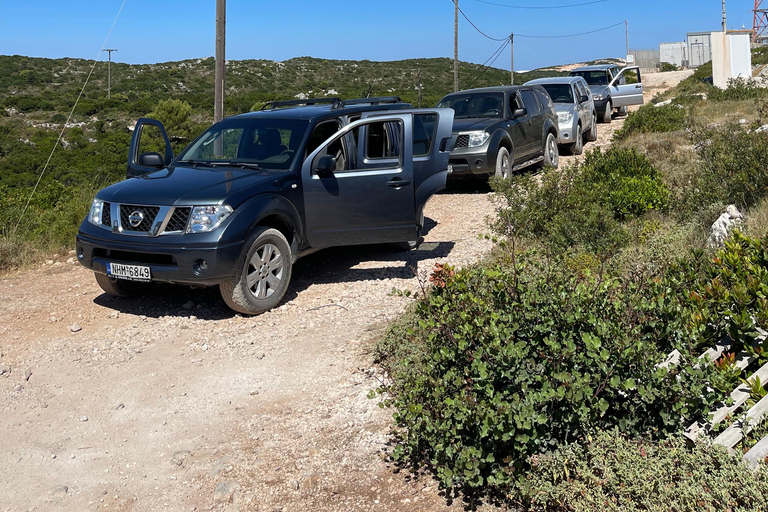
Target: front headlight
[598,97]
[478,138]
[94,215]
[565,117]
[207,218]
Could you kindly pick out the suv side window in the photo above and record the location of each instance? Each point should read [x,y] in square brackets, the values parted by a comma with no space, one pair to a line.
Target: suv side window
[321,133]
[380,142]
[424,128]
[531,102]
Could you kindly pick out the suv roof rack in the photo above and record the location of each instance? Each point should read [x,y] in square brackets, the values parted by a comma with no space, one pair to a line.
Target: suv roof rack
[336,103]
[295,103]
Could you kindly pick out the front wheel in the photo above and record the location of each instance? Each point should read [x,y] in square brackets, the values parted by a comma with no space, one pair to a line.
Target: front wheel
[591,134]
[577,147]
[551,156]
[608,112]
[121,287]
[503,164]
[263,272]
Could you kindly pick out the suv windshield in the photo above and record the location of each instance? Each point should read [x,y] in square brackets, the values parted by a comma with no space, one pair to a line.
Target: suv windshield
[475,104]
[560,93]
[592,77]
[256,143]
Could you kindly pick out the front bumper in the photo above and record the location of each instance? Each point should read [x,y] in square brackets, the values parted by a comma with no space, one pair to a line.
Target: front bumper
[170,259]
[600,105]
[472,161]
[567,132]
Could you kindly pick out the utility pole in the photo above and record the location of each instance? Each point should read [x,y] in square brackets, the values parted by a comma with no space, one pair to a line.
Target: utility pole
[109,71]
[724,28]
[626,29]
[220,74]
[512,59]
[456,47]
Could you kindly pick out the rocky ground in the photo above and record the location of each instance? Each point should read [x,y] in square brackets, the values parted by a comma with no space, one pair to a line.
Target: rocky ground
[173,402]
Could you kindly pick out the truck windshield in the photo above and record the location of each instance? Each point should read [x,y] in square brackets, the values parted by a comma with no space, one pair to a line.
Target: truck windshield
[560,93]
[592,77]
[263,143]
[475,104]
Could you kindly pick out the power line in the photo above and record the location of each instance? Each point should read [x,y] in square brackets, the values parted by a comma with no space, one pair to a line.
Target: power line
[71,112]
[573,35]
[541,6]
[489,62]
[475,26]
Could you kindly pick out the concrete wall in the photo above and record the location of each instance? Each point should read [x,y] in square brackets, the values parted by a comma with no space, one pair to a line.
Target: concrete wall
[646,59]
[674,53]
[731,57]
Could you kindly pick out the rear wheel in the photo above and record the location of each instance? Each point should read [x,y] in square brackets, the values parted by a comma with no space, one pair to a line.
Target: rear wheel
[263,273]
[121,287]
[503,164]
[608,112]
[577,147]
[551,156]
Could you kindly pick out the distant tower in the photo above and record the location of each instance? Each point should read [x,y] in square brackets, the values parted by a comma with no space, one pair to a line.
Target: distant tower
[760,23]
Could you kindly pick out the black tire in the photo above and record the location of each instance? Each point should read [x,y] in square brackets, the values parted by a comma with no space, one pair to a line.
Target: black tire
[551,154]
[608,112]
[503,164]
[266,258]
[121,287]
[577,147]
[623,111]
[591,134]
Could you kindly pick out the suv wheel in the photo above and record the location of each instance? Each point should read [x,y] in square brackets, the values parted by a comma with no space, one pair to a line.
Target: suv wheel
[591,134]
[608,112]
[264,273]
[623,111]
[121,287]
[503,164]
[577,147]
[551,156]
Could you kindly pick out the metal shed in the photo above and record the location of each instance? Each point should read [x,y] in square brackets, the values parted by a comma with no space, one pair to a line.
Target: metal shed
[699,48]
[674,53]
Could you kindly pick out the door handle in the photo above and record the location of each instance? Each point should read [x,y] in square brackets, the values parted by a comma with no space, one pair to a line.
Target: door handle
[398,182]
[638,87]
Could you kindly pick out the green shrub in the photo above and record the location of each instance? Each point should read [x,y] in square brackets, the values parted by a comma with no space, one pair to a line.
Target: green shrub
[612,473]
[666,66]
[737,90]
[504,362]
[653,119]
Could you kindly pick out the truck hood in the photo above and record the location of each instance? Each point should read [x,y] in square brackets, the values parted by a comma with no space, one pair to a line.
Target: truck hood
[598,89]
[562,108]
[188,186]
[470,124]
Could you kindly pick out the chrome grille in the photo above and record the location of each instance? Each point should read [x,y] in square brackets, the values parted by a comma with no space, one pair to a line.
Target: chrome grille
[106,214]
[462,141]
[149,212]
[178,220]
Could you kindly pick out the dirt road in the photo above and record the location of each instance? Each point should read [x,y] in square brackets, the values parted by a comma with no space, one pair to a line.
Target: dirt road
[172,402]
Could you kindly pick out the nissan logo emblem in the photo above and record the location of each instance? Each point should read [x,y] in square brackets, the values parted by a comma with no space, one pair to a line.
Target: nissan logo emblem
[136,218]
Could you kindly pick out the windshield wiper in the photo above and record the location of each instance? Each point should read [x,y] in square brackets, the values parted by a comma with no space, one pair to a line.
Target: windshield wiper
[242,165]
[195,163]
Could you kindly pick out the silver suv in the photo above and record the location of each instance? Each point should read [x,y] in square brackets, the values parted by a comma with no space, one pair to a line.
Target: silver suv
[576,115]
[611,89]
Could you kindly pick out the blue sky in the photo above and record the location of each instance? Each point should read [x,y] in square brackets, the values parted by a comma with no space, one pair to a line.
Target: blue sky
[162,30]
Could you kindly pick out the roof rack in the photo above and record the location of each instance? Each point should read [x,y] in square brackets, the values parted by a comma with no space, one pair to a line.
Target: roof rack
[370,101]
[295,103]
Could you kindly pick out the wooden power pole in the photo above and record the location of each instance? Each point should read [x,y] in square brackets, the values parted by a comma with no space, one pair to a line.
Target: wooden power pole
[220,75]
[512,59]
[109,71]
[456,47]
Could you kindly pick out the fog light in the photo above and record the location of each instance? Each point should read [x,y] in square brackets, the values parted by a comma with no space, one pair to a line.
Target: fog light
[80,254]
[450,168]
[566,136]
[479,164]
[199,266]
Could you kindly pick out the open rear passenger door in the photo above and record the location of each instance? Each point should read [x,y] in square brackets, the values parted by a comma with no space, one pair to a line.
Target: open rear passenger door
[624,94]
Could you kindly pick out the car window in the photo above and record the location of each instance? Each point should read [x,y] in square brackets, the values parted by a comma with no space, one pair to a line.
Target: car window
[592,77]
[270,143]
[580,90]
[320,134]
[532,104]
[424,129]
[560,93]
[381,144]
[485,104]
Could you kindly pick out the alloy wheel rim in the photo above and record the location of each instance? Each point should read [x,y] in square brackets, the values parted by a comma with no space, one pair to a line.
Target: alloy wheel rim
[265,271]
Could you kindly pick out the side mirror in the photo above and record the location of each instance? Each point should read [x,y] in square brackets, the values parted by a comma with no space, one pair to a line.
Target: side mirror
[519,112]
[152,160]
[325,166]
[584,98]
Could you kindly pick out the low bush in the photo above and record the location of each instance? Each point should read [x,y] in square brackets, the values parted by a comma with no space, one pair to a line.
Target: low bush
[666,66]
[654,119]
[506,361]
[737,90]
[614,473]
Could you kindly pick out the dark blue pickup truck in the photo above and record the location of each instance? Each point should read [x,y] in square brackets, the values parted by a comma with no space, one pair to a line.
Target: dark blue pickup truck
[256,191]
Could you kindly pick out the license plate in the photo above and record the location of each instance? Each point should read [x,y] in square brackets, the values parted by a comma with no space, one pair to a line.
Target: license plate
[128,272]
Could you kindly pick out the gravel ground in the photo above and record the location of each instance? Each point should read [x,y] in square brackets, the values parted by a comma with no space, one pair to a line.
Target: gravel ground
[172,402]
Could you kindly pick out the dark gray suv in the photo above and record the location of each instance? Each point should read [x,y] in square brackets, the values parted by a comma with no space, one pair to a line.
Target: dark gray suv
[500,129]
